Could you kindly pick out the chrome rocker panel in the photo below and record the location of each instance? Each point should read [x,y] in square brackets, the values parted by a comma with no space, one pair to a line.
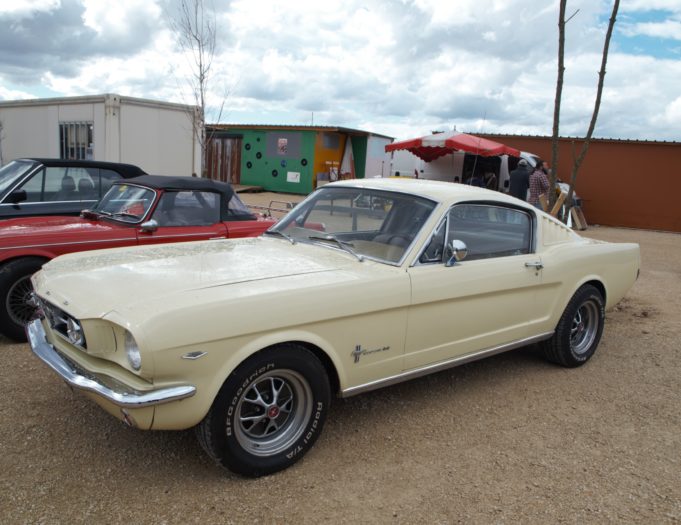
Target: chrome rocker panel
[443,365]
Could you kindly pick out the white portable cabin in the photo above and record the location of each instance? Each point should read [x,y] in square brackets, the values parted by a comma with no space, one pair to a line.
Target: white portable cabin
[160,137]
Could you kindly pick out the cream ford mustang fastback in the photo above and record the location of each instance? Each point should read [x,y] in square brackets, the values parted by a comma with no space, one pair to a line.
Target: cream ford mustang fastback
[364,284]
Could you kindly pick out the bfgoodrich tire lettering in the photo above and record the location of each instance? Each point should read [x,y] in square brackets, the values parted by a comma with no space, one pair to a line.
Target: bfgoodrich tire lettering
[269,412]
[579,329]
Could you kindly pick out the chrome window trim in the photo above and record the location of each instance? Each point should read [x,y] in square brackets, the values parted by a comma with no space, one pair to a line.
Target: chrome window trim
[532,221]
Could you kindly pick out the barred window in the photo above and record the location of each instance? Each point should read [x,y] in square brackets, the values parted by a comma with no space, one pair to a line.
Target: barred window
[75,140]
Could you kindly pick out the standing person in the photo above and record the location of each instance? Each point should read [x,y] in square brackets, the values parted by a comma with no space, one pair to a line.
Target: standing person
[520,180]
[490,180]
[539,185]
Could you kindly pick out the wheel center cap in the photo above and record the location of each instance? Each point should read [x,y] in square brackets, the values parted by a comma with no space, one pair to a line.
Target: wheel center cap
[273,411]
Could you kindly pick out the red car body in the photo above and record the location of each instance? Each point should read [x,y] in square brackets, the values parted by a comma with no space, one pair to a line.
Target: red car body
[27,243]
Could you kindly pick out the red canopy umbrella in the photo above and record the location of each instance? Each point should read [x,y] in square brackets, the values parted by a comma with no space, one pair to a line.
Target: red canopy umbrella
[436,145]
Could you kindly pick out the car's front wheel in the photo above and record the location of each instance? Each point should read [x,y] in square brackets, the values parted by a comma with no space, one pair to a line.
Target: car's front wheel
[579,329]
[269,412]
[15,291]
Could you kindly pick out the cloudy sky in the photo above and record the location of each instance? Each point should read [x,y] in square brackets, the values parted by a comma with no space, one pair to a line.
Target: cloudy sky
[396,67]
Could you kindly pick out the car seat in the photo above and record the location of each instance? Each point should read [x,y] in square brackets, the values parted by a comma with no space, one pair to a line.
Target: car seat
[67,191]
[86,190]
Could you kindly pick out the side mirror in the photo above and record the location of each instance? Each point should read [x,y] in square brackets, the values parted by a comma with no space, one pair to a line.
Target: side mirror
[17,196]
[459,252]
[149,227]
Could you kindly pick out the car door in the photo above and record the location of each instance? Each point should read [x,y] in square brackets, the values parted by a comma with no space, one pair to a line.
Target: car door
[486,300]
[183,216]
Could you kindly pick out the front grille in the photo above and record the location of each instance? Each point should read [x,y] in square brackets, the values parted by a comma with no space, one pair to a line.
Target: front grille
[58,319]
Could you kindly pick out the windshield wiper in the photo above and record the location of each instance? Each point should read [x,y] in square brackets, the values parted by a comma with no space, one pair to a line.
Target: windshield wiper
[125,214]
[280,234]
[345,245]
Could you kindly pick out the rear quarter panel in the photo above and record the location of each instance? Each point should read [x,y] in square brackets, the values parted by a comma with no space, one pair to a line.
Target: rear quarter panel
[569,265]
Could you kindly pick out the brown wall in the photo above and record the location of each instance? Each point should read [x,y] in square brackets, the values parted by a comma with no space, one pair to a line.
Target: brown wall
[634,184]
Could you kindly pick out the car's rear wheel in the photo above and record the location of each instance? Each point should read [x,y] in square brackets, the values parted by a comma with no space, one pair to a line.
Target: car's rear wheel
[268,413]
[579,329]
[15,291]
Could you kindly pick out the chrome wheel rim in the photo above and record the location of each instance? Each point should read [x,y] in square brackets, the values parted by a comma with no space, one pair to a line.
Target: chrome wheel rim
[273,412]
[17,301]
[584,327]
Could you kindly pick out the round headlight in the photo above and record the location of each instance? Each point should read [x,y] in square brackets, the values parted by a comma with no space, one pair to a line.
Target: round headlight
[75,332]
[132,351]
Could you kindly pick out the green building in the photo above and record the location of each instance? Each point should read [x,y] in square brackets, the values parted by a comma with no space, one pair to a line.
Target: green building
[293,159]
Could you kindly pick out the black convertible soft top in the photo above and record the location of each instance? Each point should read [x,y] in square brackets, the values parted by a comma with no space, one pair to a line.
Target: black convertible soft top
[126,170]
[163,182]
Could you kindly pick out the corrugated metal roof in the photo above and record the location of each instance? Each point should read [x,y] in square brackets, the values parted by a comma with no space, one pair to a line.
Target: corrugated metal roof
[593,139]
[297,127]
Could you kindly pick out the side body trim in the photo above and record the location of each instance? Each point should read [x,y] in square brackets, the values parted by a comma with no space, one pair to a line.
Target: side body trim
[443,365]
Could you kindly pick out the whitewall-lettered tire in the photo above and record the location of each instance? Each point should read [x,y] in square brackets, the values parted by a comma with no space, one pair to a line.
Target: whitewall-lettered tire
[269,412]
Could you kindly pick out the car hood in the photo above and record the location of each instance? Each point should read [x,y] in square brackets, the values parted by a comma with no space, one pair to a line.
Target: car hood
[96,282]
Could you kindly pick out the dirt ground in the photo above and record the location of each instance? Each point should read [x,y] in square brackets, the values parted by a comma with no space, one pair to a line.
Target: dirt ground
[511,439]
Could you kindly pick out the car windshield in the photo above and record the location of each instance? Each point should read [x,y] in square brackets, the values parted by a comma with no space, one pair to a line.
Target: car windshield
[13,171]
[367,223]
[126,202]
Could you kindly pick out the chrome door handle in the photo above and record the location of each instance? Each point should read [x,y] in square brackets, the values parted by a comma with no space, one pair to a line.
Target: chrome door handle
[536,265]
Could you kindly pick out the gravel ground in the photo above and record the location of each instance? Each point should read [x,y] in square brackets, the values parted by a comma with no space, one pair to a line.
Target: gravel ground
[511,439]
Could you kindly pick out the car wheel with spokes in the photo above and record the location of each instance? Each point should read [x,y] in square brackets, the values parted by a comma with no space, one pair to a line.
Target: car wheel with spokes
[579,329]
[268,413]
[15,292]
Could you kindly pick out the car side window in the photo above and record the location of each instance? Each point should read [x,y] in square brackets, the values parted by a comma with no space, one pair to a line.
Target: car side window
[52,184]
[188,208]
[34,187]
[490,231]
[487,230]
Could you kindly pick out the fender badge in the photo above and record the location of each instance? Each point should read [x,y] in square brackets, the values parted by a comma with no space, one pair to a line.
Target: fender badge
[194,355]
[359,352]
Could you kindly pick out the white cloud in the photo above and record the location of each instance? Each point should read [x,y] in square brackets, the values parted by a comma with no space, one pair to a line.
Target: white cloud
[14,94]
[27,7]
[672,112]
[650,5]
[113,19]
[667,29]
[396,67]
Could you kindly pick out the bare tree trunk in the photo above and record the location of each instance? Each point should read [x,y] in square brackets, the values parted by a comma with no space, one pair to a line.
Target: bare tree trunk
[556,107]
[597,105]
[196,31]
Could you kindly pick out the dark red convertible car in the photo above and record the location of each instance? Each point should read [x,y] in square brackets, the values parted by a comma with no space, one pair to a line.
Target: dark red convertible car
[146,210]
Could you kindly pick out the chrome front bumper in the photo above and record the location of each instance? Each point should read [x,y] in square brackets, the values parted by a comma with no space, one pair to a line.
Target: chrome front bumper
[104,386]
